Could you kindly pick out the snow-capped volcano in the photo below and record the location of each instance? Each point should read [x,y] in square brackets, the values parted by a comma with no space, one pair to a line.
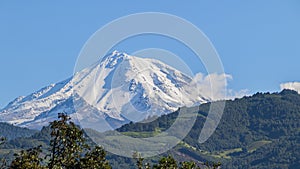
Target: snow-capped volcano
[118,89]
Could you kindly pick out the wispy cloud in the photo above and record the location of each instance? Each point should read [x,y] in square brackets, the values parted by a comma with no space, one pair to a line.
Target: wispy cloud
[291,85]
[215,86]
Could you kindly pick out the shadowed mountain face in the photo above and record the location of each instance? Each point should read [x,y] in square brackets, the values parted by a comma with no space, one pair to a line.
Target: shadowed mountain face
[118,89]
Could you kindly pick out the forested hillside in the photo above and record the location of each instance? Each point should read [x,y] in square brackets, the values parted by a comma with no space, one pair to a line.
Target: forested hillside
[259,131]
[11,132]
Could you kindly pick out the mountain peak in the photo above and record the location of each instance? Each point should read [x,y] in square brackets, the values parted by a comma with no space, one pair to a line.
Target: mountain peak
[114,58]
[121,87]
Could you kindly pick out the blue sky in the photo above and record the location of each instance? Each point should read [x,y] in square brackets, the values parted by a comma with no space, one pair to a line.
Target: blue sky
[258,41]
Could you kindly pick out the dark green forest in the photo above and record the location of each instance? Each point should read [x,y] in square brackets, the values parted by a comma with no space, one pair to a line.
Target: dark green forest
[11,132]
[259,131]
[69,148]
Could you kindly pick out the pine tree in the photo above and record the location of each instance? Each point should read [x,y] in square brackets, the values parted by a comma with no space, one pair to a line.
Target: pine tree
[67,143]
[28,159]
[68,150]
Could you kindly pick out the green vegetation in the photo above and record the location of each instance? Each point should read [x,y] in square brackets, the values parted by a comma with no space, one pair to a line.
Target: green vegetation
[256,145]
[2,140]
[225,153]
[170,163]
[10,132]
[68,150]
[260,131]
[143,134]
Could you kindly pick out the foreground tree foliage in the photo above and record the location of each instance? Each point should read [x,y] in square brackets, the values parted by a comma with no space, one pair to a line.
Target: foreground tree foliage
[69,150]
[170,163]
[2,160]
[259,131]
[2,140]
[28,159]
[67,143]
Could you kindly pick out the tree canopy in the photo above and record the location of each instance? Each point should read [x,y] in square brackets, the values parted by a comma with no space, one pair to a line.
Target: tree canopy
[69,150]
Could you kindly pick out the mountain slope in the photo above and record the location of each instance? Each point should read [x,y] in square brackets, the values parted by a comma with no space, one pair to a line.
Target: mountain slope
[261,131]
[10,132]
[118,89]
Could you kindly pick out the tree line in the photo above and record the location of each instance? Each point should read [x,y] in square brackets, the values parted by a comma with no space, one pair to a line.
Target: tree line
[69,150]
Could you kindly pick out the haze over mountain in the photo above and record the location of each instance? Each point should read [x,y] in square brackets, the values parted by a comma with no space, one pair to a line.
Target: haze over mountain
[115,90]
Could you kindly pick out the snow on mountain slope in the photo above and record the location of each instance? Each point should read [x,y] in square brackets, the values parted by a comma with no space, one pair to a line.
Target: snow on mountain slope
[25,109]
[118,89]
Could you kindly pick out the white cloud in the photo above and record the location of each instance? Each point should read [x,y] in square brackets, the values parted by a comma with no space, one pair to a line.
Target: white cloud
[214,86]
[232,94]
[291,85]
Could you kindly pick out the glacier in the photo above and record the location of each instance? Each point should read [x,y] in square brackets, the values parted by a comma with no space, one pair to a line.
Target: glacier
[115,90]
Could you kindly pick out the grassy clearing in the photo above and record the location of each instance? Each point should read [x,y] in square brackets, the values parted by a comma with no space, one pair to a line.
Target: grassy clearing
[139,134]
[218,154]
[257,144]
[184,144]
[225,154]
[143,134]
